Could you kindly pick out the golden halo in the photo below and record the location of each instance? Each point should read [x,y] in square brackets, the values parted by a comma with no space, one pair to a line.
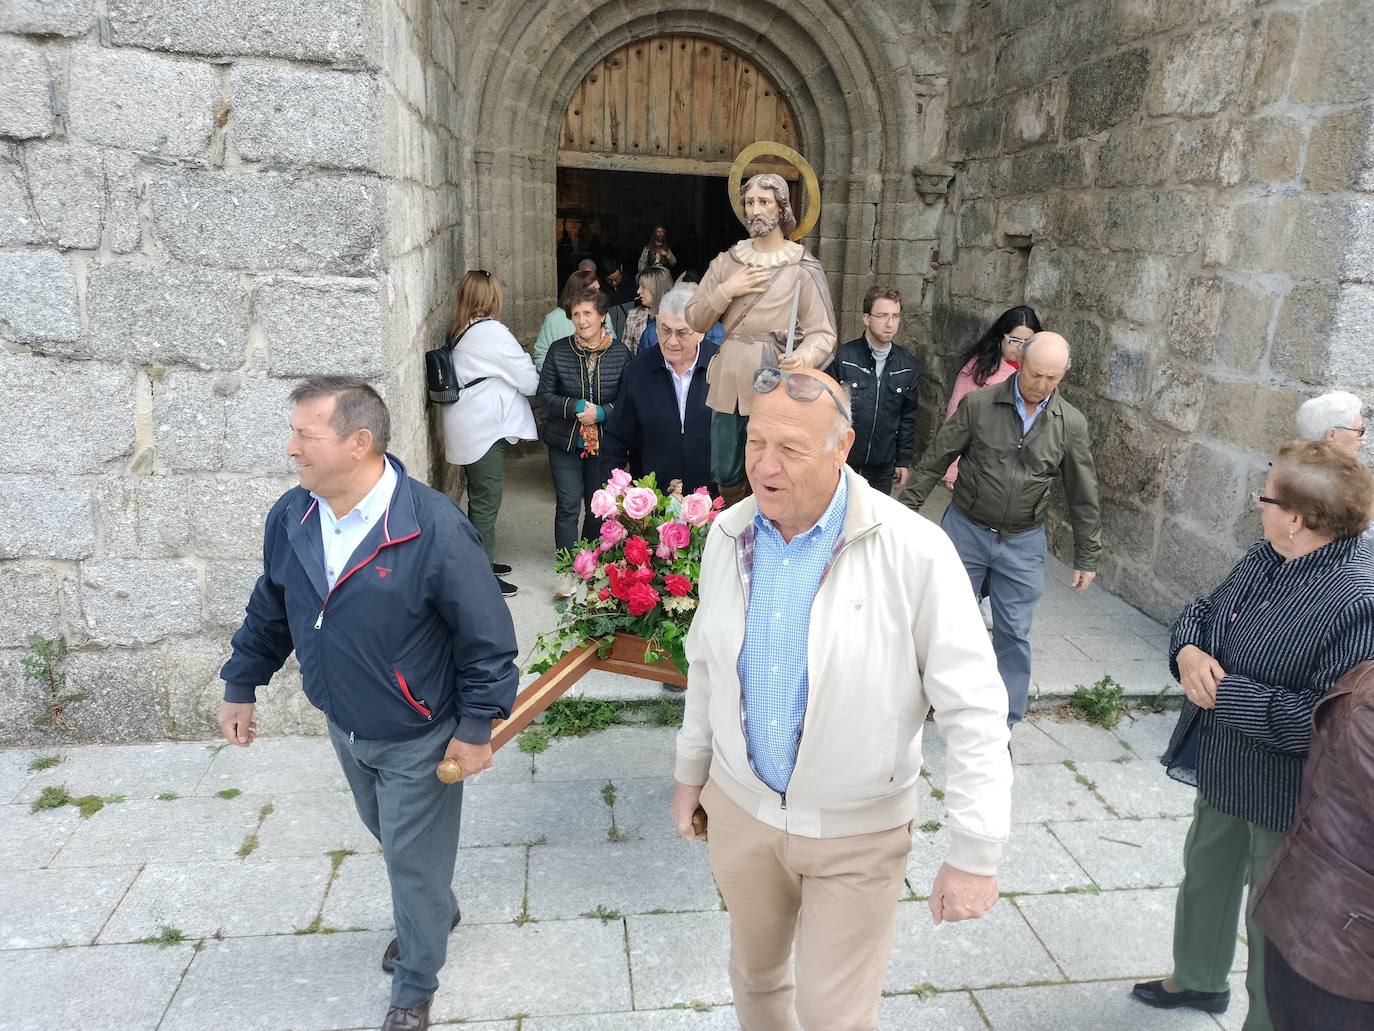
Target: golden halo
[808,174]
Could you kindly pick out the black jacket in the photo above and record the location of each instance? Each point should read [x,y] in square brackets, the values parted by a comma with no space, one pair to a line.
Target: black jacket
[414,631]
[884,413]
[645,420]
[568,377]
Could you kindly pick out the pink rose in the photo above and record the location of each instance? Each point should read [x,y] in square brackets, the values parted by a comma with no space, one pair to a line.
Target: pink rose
[640,502]
[619,480]
[675,535]
[612,533]
[585,564]
[603,503]
[663,551]
[696,509]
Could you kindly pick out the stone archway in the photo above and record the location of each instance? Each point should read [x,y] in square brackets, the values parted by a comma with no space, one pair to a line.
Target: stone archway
[868,116]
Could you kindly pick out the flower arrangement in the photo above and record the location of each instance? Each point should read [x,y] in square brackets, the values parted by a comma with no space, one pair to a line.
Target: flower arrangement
[640,577]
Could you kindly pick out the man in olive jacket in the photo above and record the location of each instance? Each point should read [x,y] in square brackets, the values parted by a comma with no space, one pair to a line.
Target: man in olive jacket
[1012,440]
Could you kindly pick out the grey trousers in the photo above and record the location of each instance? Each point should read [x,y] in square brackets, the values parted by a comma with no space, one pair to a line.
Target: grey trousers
[1012,569]
[414,817]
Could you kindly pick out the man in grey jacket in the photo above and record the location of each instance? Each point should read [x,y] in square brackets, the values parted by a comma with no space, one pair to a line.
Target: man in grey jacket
[1012,441]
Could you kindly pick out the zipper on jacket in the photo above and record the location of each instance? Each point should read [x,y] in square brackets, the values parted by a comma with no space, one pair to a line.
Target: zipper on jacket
[319,620]
[1352,915]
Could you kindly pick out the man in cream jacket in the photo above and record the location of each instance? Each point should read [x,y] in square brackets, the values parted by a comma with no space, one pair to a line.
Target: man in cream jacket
[831,620]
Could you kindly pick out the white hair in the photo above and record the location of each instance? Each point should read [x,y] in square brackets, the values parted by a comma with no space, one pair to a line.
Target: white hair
[674,302]
[1316,416]
[841,425]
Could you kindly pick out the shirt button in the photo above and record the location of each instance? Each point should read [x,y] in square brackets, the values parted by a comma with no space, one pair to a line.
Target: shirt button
[774,723]
[787,562]
[775,669]
[777,616]
[337,530]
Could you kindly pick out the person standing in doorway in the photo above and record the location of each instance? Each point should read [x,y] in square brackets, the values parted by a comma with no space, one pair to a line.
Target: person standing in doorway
[496,376]
[380,586]
[882,380]
[1015,439]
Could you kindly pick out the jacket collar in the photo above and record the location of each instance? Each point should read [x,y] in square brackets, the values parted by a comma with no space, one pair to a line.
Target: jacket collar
[859,518]
[1006,395]
[303,525]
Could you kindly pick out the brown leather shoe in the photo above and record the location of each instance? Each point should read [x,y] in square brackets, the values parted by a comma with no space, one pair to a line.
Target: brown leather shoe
[389,956]
[401,1018]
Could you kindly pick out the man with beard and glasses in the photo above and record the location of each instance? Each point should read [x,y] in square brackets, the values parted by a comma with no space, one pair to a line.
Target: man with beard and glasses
[750,288]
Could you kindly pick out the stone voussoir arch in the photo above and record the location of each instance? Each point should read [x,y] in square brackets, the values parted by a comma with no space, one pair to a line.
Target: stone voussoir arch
[832,67]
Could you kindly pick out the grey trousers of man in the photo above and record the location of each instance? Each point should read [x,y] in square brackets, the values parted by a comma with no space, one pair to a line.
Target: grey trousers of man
[1013,571]
[414,817]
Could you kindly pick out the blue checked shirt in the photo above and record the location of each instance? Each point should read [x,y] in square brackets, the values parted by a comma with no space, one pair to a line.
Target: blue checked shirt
[1027,415]
[772,665]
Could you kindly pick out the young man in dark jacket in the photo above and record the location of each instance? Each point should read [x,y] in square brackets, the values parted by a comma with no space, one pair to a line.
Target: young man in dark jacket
[403,643]
[881,379]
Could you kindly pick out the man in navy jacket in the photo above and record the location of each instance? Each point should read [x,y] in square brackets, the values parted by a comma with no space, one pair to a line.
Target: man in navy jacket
[403,643]
[661,414]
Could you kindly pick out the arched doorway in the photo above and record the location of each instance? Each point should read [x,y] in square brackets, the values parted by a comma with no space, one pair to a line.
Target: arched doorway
[648,138]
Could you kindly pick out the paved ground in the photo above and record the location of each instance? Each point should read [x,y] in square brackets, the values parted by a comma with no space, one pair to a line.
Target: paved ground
[233,889]
[272,901]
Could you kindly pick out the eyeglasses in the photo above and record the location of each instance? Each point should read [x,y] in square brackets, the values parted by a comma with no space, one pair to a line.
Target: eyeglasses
[1357,430]
[1012,338]
[891,317]
[1259,499]
[799,388]
[685,333]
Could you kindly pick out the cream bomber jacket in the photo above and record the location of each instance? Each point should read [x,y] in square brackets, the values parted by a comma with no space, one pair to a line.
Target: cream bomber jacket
[894,631]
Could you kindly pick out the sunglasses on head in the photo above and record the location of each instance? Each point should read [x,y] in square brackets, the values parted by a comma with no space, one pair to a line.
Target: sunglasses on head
[799,388]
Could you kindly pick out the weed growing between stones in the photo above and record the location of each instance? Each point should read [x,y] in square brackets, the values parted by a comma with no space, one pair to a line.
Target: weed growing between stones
[166,937]
[1102,704]
[603,914]
[45,669]
[578,717]
[55,796]
[533,741]
[930,826]
[45,762]
[228,793]
[168,796]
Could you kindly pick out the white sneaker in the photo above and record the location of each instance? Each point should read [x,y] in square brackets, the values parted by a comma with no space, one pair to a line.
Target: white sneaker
[566,586]
[985,607]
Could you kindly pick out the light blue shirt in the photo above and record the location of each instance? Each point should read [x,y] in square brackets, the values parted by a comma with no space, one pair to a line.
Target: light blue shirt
[1027,417]
[773,663]
[681,384]
[341,537]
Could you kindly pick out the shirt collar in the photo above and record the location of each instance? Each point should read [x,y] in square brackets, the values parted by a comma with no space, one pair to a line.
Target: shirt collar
[831,520]
[374,503]
[690,369]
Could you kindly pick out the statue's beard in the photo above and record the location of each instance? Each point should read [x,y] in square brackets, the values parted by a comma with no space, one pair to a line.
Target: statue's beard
[761,225]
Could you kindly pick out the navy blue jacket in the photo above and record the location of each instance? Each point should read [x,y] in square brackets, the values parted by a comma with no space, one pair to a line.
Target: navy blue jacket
[884,413]
[414,630]
[645,423]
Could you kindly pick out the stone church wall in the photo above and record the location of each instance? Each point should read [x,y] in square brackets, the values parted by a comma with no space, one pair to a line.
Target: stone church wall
[1182,189]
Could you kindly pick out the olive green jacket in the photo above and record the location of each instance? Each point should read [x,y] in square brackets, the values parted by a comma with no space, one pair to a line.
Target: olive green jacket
[1005,476]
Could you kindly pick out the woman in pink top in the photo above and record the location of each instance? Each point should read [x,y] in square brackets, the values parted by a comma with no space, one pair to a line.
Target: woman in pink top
[994,358]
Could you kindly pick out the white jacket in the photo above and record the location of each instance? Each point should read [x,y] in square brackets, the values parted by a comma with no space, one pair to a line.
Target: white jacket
[894,630]
[495,408]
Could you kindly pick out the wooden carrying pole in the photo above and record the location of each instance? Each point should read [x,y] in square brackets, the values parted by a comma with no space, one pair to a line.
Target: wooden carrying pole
[626,657]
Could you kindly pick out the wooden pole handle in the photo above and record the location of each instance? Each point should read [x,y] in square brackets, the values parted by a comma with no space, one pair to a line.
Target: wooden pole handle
[450,771]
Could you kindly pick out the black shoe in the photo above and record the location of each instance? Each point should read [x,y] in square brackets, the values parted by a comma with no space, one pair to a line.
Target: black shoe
[500,568]
[675,688]
[389,956]
[408,1018]
[1153,993]
[508,590]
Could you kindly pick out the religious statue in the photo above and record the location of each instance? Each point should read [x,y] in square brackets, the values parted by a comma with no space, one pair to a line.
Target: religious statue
[753,289]
[657,252]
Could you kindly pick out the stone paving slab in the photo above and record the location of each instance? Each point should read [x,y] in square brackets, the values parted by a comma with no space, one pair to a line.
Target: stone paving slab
[947,1011]
[616,754]
[1137,677]
[680,958]
[134,771]
[627,877]
[1041,793]
[1082,1007]
[1032,746]
[1034,861]
[643,809]
[1127,853]
[580,964]
[1074,929]
[489,883]
[571,813]
[144,830]
[312,982]
[30,840]
[1234,1017]
[231,898]
[275,766]
[1147,733]
[14,770]
[309,824]
[59,907]
[1083,741]
[999,948]
[717,1018]
[121,987]
[1139,789]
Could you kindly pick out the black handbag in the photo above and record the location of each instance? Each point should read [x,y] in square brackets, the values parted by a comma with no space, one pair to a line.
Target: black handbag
[441,382]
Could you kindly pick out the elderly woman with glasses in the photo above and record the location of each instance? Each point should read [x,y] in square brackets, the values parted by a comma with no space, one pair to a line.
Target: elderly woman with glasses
[1255,656]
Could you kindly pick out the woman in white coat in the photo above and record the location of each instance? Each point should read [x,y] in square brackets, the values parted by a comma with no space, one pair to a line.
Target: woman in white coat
[495,376]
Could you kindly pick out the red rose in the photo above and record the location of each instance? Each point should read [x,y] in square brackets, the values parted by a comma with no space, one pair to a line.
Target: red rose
[637,551]
[604,593]
[642,599]
[620,582]
[643,574]
[678,585]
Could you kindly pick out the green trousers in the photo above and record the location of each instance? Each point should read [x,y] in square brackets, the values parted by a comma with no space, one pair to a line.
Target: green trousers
[728,431]
[1221,857]
[485,479]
